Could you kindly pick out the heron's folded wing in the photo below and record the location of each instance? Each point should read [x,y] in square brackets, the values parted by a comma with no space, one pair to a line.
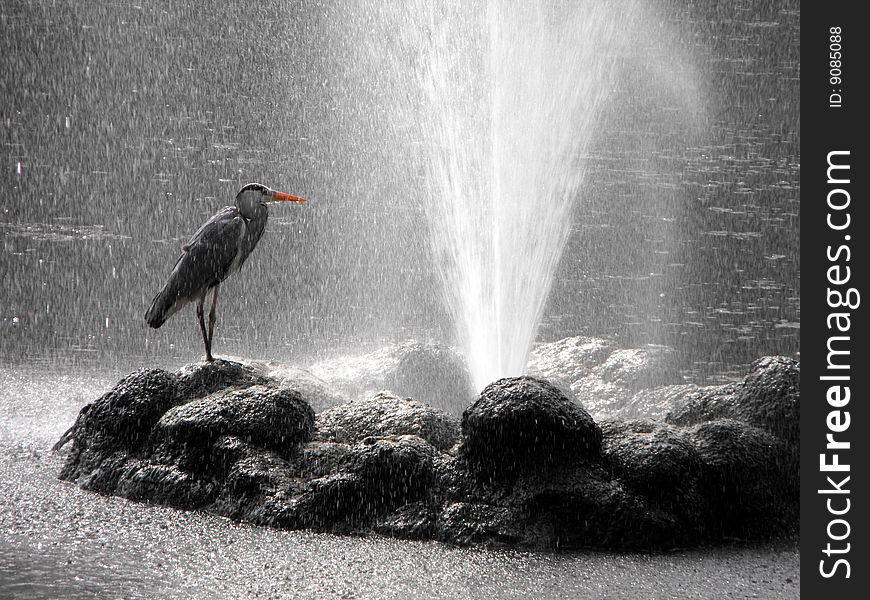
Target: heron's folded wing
[207,256]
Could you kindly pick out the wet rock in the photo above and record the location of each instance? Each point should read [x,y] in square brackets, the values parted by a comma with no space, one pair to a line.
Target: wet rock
[650,455]
[604,379]
[455,480]
[386,414]
[275,419]
[315,391]
[257,488]
[225,452]
[432,373]
[636,368]
[468,523]
[412,521]
[123,417]
[657,403]
[519,421]
[150,438]
[602,399]
[199,380]
[329,486]
[748,478]
[429,372]
[569,359]
[395,470]
[114,425]
[768,398]
[531,467]
[365,481]
[334,502]
[164,484]
[582,507]
[319,459]
[96,471]
[659,461]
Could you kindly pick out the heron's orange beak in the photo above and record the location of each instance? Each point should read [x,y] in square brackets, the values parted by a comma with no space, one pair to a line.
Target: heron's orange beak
[279,196]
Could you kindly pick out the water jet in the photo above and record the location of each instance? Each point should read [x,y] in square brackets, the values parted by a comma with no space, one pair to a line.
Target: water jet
[499,105]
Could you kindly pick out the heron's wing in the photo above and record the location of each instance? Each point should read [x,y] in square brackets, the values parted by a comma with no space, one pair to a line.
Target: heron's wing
[206,259]
[207,256]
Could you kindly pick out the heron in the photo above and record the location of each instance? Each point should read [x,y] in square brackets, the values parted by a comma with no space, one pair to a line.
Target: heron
[217,250]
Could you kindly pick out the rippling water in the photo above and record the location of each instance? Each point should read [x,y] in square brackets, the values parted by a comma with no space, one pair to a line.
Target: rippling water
[116,145]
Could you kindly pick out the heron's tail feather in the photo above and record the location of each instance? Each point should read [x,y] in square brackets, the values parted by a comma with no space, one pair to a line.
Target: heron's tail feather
[156,315]
[165,304]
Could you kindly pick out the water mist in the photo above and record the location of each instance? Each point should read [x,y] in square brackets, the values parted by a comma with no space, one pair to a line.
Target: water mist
[511,110]
[483,113]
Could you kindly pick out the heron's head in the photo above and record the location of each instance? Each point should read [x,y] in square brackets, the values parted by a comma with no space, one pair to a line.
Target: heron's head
[254,195]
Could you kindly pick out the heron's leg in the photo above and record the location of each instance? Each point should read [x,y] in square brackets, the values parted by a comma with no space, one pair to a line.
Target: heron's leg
[211,315]
[199,315]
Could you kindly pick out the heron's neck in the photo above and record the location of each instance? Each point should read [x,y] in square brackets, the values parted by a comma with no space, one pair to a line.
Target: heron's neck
[256,213]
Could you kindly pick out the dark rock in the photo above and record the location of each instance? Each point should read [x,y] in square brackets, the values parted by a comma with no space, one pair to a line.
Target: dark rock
[164,484]
[115,425]
[276,419]
[257,488]
[468,523]
[123,417]
[748,478]
[768,398]
[319,459]
[202,379]
[532,468]
[521,421]
[96,471]
[395,470]
[454,480]
[650,455]
[582,507]
[658,461]
[226,451]
[368,480]
[384,415]
[412,521]
[706,404]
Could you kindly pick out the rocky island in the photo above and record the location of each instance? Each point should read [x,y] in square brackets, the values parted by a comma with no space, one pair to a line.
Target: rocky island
[526,464]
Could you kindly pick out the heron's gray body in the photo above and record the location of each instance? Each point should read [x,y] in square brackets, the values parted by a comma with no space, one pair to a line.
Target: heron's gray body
[217,250]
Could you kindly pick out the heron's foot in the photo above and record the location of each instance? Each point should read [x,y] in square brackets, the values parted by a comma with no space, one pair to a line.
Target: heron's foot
[209,357]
